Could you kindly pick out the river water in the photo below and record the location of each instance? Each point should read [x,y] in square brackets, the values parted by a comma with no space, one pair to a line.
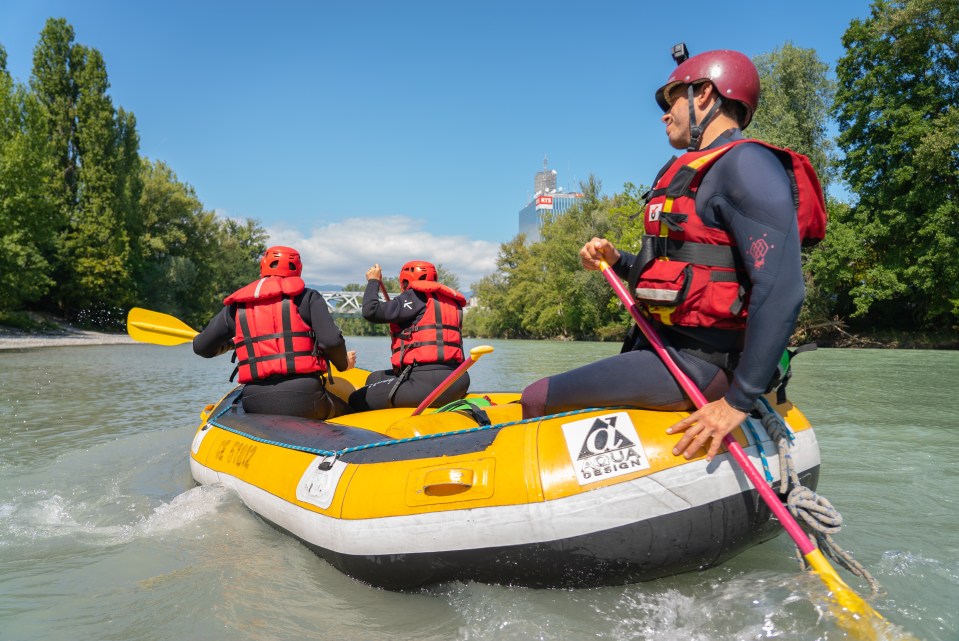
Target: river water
[104,535]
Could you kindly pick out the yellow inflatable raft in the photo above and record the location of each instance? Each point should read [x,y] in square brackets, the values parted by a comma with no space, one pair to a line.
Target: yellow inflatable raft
[585,498]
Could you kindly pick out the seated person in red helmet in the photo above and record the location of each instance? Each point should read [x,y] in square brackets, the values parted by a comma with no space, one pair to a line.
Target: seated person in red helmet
[283,337]
[425,322]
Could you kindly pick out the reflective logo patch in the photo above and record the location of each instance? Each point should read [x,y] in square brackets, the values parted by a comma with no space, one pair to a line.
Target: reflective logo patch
[319,481]
[604,447]
[653,211]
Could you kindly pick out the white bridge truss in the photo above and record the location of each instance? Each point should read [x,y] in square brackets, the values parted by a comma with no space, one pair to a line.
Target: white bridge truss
[347,304]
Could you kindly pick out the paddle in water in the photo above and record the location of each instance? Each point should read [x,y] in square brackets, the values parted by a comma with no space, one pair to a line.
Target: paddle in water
[854,614]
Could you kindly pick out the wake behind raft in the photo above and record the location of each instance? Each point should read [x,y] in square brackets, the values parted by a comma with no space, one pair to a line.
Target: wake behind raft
[586,498]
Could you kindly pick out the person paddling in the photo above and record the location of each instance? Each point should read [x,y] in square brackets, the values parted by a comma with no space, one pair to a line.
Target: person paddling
[719,273]
[283,335]
[425,339]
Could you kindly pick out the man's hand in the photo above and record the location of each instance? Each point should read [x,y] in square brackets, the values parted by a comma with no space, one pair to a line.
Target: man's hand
[712,421]
[595,250]
[374,273]
[350,359]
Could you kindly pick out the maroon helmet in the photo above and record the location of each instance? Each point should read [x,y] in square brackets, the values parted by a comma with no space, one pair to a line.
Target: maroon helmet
[280,261]
[732,73]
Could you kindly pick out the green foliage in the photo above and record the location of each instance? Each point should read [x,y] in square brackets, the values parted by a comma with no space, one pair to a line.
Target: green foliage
[96,244]
[794,105]
[52,84]
[541,290]
[26,322]
[188,259]
[87,228]
[28,220]
[445,276]
[897,109]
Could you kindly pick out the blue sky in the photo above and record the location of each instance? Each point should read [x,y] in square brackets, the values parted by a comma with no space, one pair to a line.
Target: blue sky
[364,132]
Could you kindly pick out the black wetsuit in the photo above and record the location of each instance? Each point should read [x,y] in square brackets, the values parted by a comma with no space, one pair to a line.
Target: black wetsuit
[748,193]
[409,386]
[297,395]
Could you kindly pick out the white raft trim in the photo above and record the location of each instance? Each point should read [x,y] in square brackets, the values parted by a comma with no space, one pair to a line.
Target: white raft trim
[658,494]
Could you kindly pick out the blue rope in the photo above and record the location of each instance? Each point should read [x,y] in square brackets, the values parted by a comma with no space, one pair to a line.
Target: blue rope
[762,455]
[358,448]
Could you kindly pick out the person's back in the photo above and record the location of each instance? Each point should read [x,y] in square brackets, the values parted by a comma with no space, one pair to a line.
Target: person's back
[426,342]
[283,337]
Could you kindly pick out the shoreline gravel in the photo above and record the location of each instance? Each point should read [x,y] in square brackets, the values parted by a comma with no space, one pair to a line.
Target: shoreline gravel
[12,339]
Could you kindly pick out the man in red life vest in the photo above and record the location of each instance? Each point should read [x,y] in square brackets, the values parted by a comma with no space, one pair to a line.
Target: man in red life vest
[426,342]
[283,336]
[719,272]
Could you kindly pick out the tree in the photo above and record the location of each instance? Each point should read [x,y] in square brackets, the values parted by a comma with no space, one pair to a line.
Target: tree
[897,111]
[28,220]
[174,235]
[96,248]
[52,83]
[794,105]
[541,290]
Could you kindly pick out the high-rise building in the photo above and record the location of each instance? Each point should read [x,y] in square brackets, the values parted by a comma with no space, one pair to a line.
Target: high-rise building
[548,201]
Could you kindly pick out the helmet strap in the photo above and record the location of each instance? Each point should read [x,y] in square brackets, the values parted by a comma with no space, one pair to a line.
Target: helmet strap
[696,129]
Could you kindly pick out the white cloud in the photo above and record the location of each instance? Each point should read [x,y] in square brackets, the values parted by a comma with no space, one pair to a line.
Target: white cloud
[341,252]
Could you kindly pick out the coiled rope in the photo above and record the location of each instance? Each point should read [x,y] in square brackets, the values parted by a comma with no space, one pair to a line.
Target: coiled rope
[816,513]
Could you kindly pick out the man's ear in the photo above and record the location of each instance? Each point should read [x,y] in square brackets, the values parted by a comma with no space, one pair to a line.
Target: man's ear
[706,93]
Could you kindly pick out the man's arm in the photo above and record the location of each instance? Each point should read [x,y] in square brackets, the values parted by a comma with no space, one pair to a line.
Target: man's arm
[404,308]
[217,337]
[757,208]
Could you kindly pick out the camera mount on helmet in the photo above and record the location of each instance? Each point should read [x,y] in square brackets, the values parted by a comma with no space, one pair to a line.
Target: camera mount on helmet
[680,53]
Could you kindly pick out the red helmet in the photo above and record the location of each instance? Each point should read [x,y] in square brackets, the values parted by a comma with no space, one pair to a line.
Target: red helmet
[733,74]
[280,261]
[416,270]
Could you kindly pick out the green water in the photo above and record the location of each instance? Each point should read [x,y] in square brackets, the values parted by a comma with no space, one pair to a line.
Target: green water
[103,534]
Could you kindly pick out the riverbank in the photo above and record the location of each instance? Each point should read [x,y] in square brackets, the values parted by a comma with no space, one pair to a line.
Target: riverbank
[51,332]
[61,336]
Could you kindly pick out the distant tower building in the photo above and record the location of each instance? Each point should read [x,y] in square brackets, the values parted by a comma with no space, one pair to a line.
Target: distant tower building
[548,201]
[545,181]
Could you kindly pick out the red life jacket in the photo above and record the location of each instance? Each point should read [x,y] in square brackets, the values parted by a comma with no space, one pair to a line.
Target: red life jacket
[687,273]
[436,337]
[271,337]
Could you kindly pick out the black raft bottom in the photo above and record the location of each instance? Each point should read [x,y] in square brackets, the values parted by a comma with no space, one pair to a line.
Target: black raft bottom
[684,541]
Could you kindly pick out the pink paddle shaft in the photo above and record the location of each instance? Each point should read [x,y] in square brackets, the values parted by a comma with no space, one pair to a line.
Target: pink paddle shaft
[455,374]
[785,518]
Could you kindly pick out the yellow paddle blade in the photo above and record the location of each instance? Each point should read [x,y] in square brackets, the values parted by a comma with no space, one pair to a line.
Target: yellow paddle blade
[852,613]
[155,327]
[477,352]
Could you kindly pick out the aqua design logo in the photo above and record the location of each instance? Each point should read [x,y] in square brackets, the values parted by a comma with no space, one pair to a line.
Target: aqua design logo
[603,447]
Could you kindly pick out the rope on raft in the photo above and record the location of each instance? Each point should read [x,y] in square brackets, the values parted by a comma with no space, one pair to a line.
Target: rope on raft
[333,455]
[815,512]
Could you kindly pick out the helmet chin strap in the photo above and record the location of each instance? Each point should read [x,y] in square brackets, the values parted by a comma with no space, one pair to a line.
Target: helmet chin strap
[696,130]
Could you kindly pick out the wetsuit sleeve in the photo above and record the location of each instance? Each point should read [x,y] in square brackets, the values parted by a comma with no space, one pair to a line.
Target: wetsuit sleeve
[329,339]
[624,264]
[753,200]
[404,308]
[217,337]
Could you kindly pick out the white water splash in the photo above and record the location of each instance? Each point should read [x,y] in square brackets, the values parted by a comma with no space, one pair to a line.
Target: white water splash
[52,516]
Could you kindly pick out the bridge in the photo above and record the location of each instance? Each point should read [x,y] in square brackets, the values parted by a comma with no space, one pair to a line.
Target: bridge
[347,304]
[350,304]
